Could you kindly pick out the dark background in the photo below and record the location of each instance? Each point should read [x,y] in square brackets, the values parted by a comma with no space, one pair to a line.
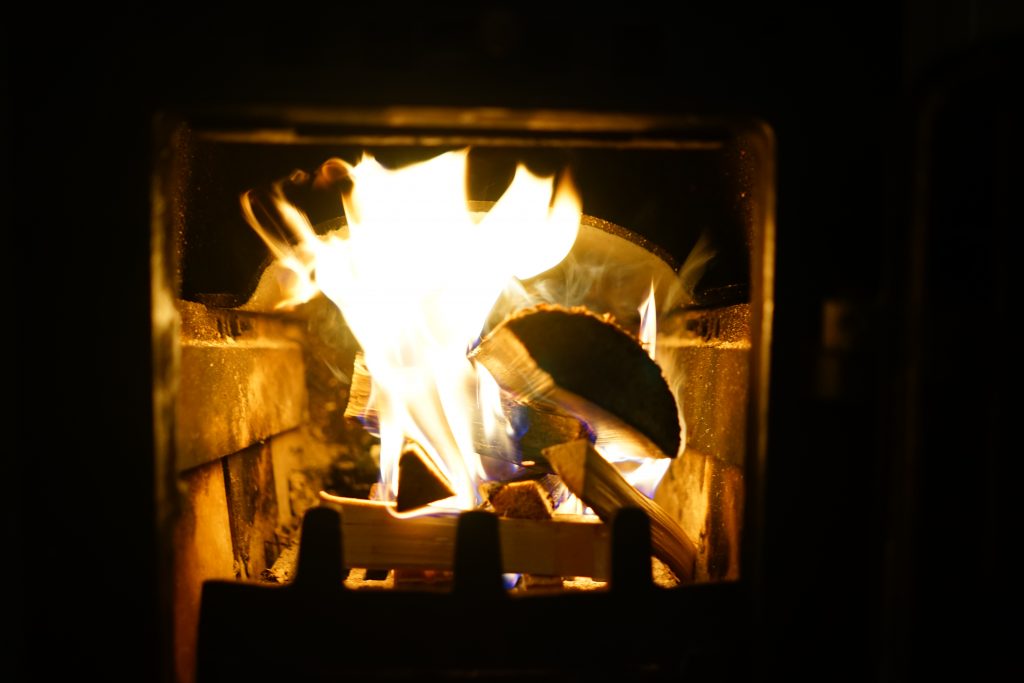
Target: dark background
[888,522]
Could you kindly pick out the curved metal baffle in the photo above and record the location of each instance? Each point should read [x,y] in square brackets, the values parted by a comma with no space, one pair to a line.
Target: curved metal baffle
[631,551]
[320,552]
[478,556]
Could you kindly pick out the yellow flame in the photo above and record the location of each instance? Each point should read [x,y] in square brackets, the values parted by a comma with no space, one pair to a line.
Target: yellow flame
[649,324]
[416,275]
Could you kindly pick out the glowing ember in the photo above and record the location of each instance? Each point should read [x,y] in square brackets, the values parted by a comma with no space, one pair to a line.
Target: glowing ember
[415,275]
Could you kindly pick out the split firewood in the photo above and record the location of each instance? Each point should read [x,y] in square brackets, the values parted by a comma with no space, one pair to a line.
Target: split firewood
[374,538]
[543,426]
[359,393]
[525,500]
[598,484]
[587,366]
[420,482]
[520,500]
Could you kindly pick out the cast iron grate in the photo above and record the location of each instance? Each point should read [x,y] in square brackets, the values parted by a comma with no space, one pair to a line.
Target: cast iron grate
[315,629]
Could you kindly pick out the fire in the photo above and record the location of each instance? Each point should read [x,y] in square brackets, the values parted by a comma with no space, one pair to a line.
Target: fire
[415,274]
[643,473]
[649,324]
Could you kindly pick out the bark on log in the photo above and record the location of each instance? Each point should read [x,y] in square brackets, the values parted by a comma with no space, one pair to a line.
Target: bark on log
[520,500]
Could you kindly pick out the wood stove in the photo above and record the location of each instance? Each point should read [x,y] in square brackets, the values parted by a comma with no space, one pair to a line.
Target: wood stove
[895,130]
[253,398]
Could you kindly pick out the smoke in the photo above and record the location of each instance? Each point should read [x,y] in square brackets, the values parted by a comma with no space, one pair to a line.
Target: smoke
[608,274]
[692,271]
[604,272]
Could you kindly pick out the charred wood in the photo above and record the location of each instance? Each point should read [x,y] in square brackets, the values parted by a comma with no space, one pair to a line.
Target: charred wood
[575,362]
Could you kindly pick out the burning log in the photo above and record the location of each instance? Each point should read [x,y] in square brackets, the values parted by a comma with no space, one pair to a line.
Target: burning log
[375,539]
[599,485]
[583,364]
[359,393]
[419,481]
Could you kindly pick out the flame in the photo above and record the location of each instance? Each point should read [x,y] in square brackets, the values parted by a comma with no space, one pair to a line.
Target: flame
[643,474]
[649,324]
[497,429]
[415,276]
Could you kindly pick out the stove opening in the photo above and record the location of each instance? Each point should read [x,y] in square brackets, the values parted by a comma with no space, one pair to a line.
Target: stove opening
[511,356]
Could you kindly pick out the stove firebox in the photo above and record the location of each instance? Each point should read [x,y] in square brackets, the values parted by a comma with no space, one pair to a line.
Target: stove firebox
[251,400]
